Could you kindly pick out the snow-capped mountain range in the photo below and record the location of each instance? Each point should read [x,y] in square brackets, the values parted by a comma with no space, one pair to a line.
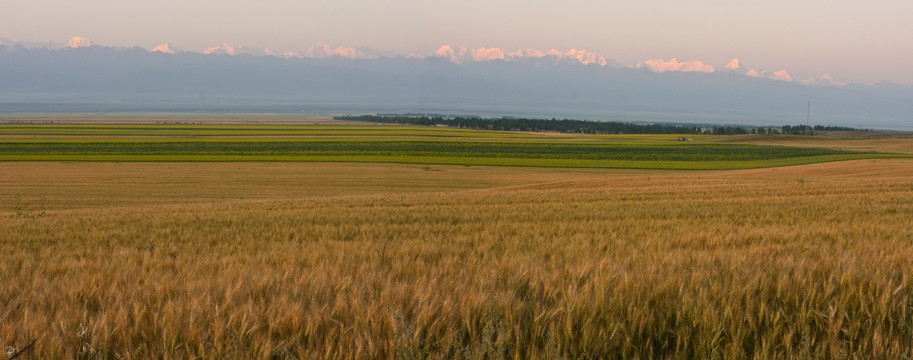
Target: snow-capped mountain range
[80,75]
[461,54]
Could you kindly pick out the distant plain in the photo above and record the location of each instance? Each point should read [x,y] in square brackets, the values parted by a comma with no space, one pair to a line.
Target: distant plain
[315,141]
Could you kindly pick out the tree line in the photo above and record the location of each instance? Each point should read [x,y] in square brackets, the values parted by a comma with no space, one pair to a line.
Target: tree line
[524,124]
[575,126]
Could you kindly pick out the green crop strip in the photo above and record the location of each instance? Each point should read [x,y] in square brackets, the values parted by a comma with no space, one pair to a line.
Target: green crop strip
[373,148]
[216,130]
[398,144]
[638,154]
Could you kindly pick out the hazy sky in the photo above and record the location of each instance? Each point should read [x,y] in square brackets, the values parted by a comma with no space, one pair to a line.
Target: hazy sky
[857,41]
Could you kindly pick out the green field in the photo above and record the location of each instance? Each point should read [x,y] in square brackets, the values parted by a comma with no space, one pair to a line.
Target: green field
[243,130]
[392,144]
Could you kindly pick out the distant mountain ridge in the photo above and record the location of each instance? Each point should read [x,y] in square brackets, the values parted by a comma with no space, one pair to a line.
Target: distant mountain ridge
[97,78]
[461,54]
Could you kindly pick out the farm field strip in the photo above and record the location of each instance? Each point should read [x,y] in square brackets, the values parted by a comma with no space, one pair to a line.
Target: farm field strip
[167,130]
[386,147]
[467,161]
[396,144]
[891,143]
[219,130]
[392,261]
[47,185]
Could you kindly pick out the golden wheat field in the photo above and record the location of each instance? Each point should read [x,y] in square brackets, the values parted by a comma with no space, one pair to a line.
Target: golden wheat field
[312,260]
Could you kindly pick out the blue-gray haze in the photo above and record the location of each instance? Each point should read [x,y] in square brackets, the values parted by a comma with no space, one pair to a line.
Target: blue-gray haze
[98,79]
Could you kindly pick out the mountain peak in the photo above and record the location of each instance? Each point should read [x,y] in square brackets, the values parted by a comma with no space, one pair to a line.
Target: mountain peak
[583,56]
[79,42]
[322,51]
[661,66]
[460,54]
[222,49]
[163,48]
[824,80]
[782,75]
[455,54]
[827,79]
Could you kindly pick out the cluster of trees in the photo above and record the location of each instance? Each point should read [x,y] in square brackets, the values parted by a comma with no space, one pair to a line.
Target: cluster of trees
[578,126]
[763,130]
[798,130]
[810,130]
[524,124]
[726,130]
[835,128]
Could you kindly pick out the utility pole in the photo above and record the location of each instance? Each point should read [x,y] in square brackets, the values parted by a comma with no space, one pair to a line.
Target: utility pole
[808,113]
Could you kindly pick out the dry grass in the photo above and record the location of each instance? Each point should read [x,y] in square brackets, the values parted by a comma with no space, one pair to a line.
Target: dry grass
[73,185]
[800,262]
[899,143]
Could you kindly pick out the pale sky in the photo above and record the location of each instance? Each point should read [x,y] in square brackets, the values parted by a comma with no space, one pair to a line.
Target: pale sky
[854,41]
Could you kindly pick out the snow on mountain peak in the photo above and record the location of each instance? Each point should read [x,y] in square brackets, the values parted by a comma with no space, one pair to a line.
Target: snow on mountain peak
[291,54]
[827,79]
[533,53]
[782,75]
[163,48]
[223,49]
[824,80]
[79,42]
[487,54]
[583,56]
[322,51]
[460,54]
[454,54]
[661,66]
